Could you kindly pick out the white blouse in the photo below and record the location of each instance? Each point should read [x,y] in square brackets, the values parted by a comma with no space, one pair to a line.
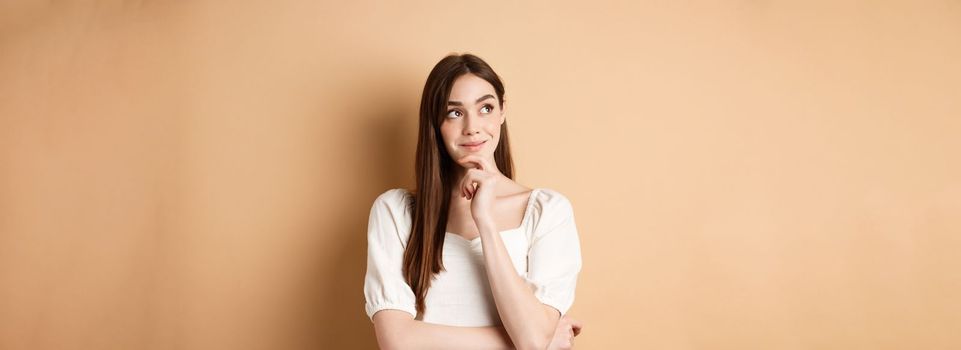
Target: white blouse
[544,249]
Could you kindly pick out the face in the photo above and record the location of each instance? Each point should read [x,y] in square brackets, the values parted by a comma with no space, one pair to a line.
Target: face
[474,116]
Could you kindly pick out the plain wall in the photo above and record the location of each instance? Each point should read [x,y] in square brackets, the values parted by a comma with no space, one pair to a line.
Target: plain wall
[744,174]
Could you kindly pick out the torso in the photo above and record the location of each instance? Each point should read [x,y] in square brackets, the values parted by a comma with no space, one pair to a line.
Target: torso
[460,294]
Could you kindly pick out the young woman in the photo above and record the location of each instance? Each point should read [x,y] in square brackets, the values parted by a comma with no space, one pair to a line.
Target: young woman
[470,259]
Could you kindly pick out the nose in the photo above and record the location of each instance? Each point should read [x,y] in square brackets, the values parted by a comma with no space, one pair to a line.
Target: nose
[470,125]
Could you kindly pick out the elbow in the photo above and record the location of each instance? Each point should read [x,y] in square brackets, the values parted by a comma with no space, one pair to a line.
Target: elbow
[388,343]
[391,347]
[395,341]
[392,330]
[392,343]
[538,340]
[535,343]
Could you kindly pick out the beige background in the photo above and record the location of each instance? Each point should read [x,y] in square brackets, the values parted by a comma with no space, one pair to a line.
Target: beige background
[745,174]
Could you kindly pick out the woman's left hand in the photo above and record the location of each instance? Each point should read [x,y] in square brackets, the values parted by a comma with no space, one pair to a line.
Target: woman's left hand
[478,186]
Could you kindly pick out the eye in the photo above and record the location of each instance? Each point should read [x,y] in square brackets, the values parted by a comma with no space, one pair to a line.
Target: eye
[487,109]
[453,113]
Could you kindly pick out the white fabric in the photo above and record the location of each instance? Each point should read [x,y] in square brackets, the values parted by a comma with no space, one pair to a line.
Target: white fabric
[544,248]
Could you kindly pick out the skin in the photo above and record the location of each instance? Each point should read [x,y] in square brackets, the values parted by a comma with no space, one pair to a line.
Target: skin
[485,203]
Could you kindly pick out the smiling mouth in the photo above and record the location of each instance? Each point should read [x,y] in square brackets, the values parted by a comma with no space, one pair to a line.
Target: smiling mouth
[474,144]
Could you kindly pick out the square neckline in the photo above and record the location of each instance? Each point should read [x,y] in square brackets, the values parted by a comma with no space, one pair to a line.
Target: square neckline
[527,213]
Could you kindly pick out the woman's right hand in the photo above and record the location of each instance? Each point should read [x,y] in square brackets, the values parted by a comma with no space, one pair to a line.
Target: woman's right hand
[567,329]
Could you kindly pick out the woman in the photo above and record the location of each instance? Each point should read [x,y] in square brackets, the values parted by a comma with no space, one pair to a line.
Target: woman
[471,259]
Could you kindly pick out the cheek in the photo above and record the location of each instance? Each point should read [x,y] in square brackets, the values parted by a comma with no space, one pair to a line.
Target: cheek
[494,127]
[445,131]
[448,133]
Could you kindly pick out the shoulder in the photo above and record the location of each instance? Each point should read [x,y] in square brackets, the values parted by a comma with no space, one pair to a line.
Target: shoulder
[395,200]
[550,207]
[390,215]
[551,211]
[394,204]
[548,200]
[394,197]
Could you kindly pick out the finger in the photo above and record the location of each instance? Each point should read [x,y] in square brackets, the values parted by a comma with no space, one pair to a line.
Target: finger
[478,162]
[464,187]
[472,182]
[471,159]
[467,184]
[575,323]
[576,326]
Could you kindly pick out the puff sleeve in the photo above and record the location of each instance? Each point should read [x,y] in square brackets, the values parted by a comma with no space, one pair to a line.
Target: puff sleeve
[554,259]
[387,231]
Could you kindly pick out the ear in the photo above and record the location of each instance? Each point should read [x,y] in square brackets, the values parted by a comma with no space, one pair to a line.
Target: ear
[503,112]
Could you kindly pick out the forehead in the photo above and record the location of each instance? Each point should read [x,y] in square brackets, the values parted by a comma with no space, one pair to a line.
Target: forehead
[468,87]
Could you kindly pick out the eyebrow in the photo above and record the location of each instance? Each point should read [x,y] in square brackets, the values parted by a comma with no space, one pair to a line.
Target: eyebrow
[458,103]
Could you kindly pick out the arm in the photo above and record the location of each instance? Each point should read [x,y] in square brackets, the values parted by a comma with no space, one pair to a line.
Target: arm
[390,302]
[529,322]
[399,330]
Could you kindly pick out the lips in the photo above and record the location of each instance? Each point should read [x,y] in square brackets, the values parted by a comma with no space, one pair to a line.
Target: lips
[472,144]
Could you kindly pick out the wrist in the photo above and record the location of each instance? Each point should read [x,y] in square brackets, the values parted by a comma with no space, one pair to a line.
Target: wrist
[485,224]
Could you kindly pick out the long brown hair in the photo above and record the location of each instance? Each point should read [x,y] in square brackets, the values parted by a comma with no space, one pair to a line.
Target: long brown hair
[434,170]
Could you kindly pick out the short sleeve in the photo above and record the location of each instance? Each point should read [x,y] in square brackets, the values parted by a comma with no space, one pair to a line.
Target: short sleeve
[387,231]
[554,260]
